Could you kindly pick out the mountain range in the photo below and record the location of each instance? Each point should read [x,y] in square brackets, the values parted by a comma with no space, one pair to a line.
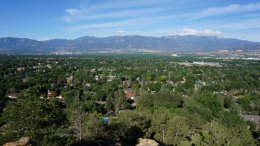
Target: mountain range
[134,43]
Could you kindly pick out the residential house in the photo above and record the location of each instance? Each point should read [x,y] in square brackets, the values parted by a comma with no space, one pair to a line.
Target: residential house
[51,93]
[69,79]
[129,94]
[110,78]
[20,68]
[54,94]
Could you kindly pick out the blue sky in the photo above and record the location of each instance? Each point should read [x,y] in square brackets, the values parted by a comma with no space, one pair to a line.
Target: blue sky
[48,19]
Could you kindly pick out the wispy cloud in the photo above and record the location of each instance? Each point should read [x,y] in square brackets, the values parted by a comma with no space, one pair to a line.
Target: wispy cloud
[77,15]
[127,23]
[123,32]
[205,32]
[103,25]
[113,9]
[233,8]
[71,12]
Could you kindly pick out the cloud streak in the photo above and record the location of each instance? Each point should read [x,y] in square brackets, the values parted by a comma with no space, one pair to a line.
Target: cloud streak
[114,9]
[77,15]
[233,8]
[205,32]
[71,12]
[127,23]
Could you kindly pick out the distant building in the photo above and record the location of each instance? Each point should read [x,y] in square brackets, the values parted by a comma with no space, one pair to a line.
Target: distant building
[101,102]
[129,94]
[110,78]
[69,79]
[88,84]
[51,93]
[201,82]
[59,97]
[20,68]
[54,94]
[49,66]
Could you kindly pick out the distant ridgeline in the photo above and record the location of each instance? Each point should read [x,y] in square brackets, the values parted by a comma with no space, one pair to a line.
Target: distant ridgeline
[124,44]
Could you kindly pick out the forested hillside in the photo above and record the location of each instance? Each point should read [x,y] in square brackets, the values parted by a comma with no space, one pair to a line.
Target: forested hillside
[111,99]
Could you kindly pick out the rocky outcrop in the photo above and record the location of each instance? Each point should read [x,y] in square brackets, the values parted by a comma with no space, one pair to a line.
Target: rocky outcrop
[24,141]
[147,142]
